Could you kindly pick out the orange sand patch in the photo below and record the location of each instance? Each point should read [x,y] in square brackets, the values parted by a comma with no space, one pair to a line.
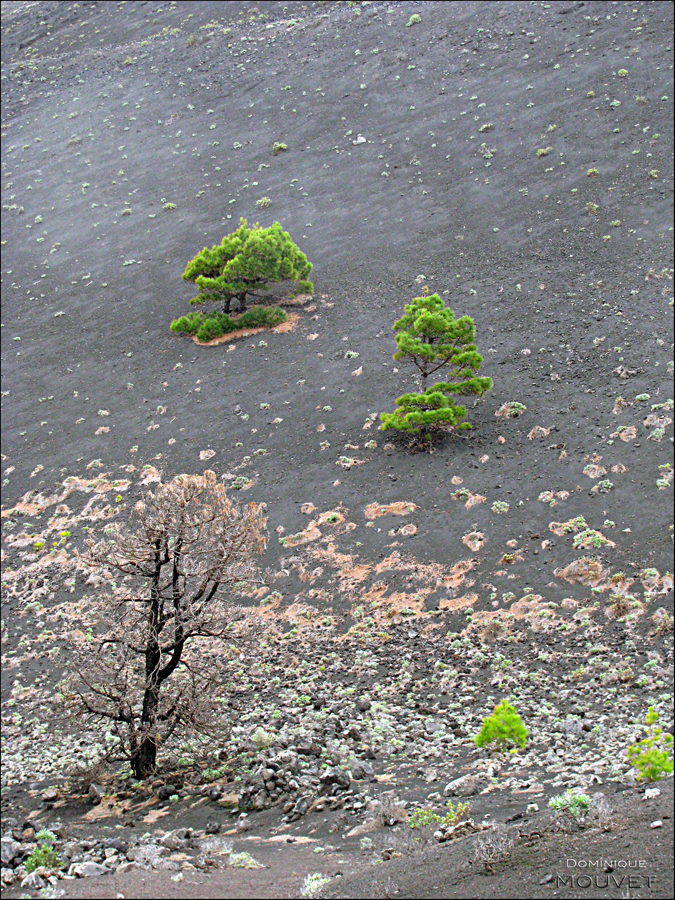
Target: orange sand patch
[474,540]
[457,573]
[626,434]
[659,584]
[584,571]
[453,603]
[32,504]
[405,530]
[526,606]
[563,528]
[653,420]
[150,476]
[620,404]
[594,471]
[353,576]
[508,559]
[330,517]
[311,533]
[474,500]
[396,602]
[399,508]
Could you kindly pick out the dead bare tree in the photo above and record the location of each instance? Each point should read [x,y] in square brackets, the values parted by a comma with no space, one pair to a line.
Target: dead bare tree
[155,664]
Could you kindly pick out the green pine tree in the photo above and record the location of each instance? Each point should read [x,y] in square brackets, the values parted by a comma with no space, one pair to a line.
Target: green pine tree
[245,261]
[432,339]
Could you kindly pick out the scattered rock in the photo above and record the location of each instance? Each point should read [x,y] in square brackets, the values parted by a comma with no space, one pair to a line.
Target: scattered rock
[11,849]
[166,791]
[88,869]
[461,829]
[33,882]
[466,786]
[361,770]
[96,793]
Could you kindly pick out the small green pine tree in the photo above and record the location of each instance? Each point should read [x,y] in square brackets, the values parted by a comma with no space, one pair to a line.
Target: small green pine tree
[245,261]
[652,756]
[430,336]
[503,727]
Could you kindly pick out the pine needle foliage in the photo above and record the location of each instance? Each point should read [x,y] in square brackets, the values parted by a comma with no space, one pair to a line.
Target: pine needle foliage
[652,756]
[430,337]
[246,261]
[502,728]
[216,324]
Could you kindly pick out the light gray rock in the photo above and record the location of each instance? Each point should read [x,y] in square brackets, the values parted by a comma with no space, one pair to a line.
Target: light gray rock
[33,882]
[361,770]
[71,849]
[335,775]
[126,867]
[10,849]
[96,793]
[466,786]
[88,869]
[171,841]
[147,855]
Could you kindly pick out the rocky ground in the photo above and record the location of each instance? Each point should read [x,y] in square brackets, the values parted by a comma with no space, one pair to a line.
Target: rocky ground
[516,158]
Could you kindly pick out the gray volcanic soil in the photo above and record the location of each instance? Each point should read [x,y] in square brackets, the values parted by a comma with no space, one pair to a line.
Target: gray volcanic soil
[419,596]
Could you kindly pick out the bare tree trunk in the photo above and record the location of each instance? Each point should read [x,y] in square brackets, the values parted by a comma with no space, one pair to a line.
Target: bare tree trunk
[145,761]
[242,302]
[146,755]
[226,306]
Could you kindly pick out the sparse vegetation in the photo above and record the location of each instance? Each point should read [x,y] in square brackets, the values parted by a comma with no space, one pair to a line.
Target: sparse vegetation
[207,327]
[44,855]
[403,597]
[570,808]
[427,818]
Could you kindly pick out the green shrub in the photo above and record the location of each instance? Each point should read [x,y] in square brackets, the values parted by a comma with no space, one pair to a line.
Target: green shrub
[209,329]
[188,324]
[571,805]
[502,728]
[426,818]
[261,317]
[44,853]
[652,755]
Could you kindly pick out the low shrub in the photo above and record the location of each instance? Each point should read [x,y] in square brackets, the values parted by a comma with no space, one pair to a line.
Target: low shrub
[426,818]
[44,854]
[188,324]
[208,327]
[570,808]
[261,317]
